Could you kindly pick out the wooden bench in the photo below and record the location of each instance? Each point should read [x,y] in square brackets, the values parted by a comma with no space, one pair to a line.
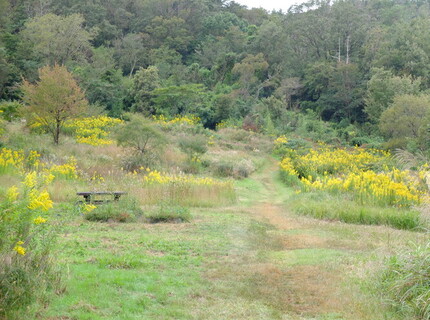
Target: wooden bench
[89,197]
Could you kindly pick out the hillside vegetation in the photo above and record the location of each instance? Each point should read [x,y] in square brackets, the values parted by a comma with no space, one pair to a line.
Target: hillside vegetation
[214,224]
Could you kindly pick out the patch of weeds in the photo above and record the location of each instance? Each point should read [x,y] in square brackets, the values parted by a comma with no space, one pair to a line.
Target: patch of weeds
[121,262]
[26,280]
[405,283]
[224,169]
[117,211]
[169,213]
[323,206]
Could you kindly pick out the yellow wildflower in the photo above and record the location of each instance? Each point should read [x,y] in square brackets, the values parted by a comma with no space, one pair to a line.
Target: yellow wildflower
[89,207]
[40,200]
[19,249]
[12,194]
[30,179]
[281,140]
[39,220]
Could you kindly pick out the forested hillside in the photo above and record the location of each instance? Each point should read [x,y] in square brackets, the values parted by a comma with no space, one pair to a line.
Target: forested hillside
[361,65]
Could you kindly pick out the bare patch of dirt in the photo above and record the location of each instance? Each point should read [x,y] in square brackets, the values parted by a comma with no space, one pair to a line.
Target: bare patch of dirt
[273,214]
[303,241]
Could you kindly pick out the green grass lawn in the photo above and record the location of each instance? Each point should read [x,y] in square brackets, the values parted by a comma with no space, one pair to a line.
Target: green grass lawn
[253,260]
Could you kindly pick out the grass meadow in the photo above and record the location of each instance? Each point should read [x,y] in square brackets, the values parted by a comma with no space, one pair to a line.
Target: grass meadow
[225,234]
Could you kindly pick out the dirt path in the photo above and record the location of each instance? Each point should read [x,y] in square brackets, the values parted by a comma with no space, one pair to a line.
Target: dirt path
[307,289]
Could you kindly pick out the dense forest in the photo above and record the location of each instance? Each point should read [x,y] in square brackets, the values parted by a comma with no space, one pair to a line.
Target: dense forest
[362,66]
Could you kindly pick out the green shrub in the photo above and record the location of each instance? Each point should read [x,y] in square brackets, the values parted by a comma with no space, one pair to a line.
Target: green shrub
[10,110]
[224,169]
[26,280]
[145,141]
[193,145]
[169,213]
[234,168]
[405,283]
[117,211]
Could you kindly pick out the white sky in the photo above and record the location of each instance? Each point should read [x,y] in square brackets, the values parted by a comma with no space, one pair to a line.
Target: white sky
[269,5]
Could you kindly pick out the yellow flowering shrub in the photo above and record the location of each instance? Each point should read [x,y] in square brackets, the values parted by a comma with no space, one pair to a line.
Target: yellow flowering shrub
[65,171]
[26,240]
[21,208]
[363,174]
[17,160]
[187,120]
[227,123]
[93,130]
[39,200]
[370,187]
[39,220]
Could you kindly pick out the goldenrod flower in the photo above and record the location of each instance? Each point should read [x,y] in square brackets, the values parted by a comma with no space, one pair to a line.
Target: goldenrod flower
[39,200]
[19,249]
[30,179]
[12,194]
[39,220]
[89,207]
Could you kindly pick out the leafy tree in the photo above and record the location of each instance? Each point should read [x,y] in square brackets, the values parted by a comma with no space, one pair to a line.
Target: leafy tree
[405,49]
[55,98]
[58,39]
[145,140]
[145,81]
[5,72]
[4,7]
[251,71]
[334,91]
[405,117]
[102,81]
[382,87]
[219,23]
[171,32]
[182,99]
[130,52]
[288,88]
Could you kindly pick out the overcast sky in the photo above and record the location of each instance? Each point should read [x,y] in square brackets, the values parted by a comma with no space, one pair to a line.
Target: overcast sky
[269,4]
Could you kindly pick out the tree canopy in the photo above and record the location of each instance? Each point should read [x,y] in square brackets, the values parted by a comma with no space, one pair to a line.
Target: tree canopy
[52,100]
[343,61]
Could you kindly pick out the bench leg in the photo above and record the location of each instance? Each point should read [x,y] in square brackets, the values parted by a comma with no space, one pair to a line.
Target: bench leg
[87,198]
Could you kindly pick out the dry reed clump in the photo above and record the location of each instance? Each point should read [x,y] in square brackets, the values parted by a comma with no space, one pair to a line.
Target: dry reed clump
[186,190]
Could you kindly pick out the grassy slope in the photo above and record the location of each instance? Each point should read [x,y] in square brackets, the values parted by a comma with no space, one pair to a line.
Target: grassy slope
[254,260]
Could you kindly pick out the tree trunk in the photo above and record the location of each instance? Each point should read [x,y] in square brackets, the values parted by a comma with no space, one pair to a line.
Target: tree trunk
[57,132]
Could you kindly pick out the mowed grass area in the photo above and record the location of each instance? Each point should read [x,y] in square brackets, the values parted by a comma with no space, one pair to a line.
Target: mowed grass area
[253,260]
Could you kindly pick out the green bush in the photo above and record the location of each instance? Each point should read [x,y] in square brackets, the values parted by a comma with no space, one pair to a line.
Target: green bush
[145,141]
[223,169]
[10,110]
[405,283]
[169,213]
[193,145]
